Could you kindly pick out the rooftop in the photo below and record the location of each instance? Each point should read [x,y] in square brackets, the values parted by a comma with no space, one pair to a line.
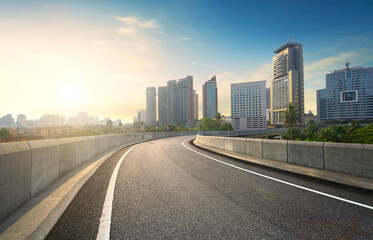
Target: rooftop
[287,45]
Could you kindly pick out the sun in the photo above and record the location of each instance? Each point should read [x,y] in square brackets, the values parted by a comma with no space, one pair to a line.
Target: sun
[69,94]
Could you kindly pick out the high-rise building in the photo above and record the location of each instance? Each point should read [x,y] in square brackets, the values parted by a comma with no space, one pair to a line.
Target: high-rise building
[210,98]
[162,106]
[171,102]
[7,120]
[195,105]
[287,83]
[141,115]
[348,95]
[185,101]
[268,105]
[83,118]
[248,105]
[151,110]
[21,120]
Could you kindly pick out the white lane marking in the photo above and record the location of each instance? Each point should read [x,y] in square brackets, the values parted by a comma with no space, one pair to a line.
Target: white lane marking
[105,220]
[281,181]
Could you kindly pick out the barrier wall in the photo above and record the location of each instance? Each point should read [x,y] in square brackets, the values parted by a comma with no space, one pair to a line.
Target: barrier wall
[27,168]
[352,159]
[15,176]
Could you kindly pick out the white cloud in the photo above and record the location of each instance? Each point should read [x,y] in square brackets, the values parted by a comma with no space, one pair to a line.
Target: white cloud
[324,65]
[133,24]
[186,38]
[123,31]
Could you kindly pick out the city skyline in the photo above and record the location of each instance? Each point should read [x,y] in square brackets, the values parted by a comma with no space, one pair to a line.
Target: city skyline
[61,59]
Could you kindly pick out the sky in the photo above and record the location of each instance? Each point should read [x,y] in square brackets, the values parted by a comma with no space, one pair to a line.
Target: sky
[62,57]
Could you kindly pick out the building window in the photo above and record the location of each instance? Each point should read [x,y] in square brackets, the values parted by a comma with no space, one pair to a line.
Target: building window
[349,96]
[348,73]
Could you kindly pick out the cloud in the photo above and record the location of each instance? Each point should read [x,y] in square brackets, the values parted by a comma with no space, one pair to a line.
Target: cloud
[133,24]
[123,31]
[320,67]
[186,38]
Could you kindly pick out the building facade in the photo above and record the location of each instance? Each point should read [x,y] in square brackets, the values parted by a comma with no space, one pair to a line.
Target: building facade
[171,102]
[210,98]
[195,105]
[141,115]
[287,83]
[268,104]
[185,114]
[248,105]
[348,95]
[162,106]
[151,111]
[21,120]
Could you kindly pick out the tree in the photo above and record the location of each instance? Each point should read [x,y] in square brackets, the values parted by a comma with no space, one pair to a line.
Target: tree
[311,130]
[4,132]
[218,120]
[353,126]
[291,117]
[109,123]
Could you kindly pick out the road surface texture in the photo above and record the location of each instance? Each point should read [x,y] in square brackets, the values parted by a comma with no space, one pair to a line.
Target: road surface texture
[164,190]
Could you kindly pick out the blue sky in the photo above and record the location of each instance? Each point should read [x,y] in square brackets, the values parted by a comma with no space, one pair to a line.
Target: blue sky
[109,51]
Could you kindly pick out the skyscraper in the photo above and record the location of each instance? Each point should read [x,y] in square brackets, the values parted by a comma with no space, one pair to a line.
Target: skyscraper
[287,83]
[21,120]
[195,105]
[162,106]
[151,111]
[171,102]
[210,98]
[348,95]
[248,105]
[185,101]
[141,115]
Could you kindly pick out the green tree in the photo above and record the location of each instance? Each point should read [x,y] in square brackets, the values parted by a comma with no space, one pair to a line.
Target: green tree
[353,126]
[311,131]
[109,123]
[208,124]
[218,120]
[4,132]
[291,117]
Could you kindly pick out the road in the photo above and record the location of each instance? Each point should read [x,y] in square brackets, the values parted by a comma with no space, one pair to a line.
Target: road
[164,190]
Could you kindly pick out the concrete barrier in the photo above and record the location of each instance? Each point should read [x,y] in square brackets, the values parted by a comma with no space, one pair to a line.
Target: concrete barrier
[308,154]
[15,175]
[82,150]
[218,142]
[114,140]
[67,155]
[239,145]
[275,150]
[353,159]
[101,143]
[254,147]
[91,146]
[27,168]
[45,164]
[228,144]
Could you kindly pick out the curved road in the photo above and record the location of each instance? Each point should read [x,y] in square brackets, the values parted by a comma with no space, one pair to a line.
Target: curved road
[165,190]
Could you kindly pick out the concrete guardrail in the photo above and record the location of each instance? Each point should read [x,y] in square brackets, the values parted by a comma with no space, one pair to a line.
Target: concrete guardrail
[27,168]
[352,159]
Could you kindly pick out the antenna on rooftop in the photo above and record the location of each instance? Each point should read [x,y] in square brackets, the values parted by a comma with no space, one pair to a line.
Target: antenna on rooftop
[347,63]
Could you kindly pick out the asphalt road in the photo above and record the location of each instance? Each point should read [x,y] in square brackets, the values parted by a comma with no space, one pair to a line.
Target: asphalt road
[165,191]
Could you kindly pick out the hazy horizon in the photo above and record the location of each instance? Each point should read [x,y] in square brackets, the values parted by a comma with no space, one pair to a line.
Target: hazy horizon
[99,57]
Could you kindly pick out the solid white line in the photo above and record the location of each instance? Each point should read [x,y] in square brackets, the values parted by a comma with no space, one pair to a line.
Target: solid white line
[105,220]
[281,181]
